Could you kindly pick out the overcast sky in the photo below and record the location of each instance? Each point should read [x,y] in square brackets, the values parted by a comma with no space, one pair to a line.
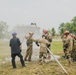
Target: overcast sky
[46,13]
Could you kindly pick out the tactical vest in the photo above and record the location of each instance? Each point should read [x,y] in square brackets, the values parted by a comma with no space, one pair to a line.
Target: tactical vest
[29,41]
[74,44]
[66,42]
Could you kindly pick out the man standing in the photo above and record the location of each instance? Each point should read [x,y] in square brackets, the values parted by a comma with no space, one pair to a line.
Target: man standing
[64,45]
[69,46]
[16,48]
[29,43]
[48,37]
[74,49]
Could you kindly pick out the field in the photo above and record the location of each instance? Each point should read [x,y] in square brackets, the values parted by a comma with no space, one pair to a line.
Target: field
[34,68]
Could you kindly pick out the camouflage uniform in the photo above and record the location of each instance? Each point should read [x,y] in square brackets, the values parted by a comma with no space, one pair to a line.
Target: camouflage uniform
[49,39]
[74,50]
[64,45]
[69,44]
[29,50]
[43,49]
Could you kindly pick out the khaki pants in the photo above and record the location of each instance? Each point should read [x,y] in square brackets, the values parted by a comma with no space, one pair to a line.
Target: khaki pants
[42,56]
[28,53]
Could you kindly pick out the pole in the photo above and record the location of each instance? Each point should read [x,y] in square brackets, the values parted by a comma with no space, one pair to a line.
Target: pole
[58,62]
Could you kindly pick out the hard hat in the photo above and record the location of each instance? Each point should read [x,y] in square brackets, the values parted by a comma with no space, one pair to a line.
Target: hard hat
[14,34]
[45,31]
[66,32]
[31,33]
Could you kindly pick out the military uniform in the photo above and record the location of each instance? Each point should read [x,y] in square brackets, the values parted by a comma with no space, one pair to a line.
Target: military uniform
[43,49]
[69,43]
[74,50]
[29,50]
[49,39]
[64,45]
[69,46]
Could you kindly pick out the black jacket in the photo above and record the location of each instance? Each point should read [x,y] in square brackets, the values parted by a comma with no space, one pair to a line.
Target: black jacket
[15,45]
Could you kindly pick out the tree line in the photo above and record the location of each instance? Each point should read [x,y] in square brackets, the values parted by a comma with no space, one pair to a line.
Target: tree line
[71,26]
[4,33]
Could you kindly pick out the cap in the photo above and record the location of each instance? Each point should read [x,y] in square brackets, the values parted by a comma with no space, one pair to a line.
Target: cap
[14,34]
[66,32]
[45,31]
[31,33]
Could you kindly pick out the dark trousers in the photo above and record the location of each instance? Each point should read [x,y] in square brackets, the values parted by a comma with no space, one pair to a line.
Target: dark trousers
[13,59]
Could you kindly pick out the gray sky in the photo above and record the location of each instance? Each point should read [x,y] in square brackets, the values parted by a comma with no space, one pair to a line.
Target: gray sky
[46,13]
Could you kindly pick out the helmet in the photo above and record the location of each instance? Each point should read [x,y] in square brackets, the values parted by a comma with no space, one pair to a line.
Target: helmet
[14,34]
[71,34]
[45,31]
[66,32]
[31,33]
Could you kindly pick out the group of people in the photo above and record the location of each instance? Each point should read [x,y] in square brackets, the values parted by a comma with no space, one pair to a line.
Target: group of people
[69,46]
[44,43]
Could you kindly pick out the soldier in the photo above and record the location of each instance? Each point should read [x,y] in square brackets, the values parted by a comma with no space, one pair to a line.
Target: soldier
[48,37]
[29,43]
[16,48]
[43,48]
[74,49]
[72,52]
[69,45]
[64,45]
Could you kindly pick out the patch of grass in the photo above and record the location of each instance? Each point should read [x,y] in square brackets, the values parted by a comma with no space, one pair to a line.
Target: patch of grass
[34,68]
[57,46]
[4,49]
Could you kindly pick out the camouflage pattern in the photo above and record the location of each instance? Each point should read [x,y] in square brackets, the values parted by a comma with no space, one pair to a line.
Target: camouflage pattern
[64,45]
[68,46]
[49,39]
[29,50]
[43,48]
[69,42]
[74,50]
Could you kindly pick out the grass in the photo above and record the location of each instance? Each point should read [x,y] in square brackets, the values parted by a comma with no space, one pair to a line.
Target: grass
[4,49]
[34,68]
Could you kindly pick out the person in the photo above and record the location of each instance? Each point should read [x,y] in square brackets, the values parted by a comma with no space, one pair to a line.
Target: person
[16,49]
[43,49]
[64,45]
[69,46]
[48,37]
[74,49]
[29,43]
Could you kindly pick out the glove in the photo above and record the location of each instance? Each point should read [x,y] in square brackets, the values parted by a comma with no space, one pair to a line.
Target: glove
[37,43]
[48,45]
